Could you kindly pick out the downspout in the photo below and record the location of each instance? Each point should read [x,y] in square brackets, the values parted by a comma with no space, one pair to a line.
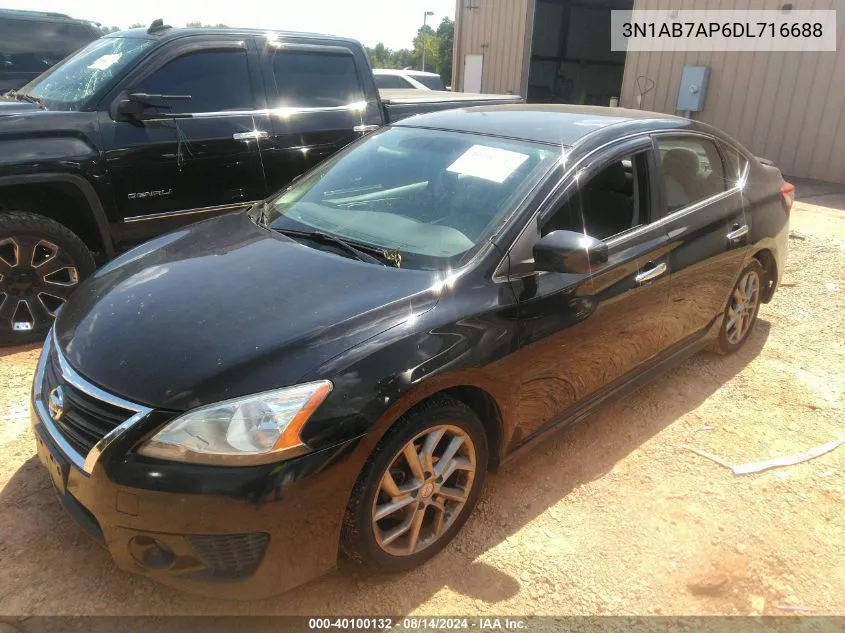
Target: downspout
[526,47]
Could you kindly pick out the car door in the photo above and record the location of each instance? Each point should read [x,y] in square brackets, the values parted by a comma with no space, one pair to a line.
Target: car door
[704,214]
[583,335]
[166,172]
[317,105]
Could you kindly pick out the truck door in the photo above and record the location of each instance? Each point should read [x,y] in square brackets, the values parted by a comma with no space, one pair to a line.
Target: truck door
[317,105]
[170,171]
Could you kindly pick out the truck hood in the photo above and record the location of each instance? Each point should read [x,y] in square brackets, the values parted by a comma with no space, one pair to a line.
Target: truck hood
[9,105]
[225,308]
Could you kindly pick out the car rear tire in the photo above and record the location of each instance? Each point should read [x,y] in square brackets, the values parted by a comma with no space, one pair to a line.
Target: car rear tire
[741,310]
[405,509]
[41,263]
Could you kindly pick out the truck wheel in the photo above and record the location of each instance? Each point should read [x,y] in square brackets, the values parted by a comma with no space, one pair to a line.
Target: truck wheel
[418,487]
[41,263]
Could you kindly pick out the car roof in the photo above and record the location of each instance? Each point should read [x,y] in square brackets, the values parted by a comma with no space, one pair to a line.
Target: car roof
[399,71]
[543,123]
[168,33]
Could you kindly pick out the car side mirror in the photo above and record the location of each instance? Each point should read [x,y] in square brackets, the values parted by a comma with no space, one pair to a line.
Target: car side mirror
[136,105]
[569,252]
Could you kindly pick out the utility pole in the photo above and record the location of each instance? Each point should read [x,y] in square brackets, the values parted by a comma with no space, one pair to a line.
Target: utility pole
[425,18]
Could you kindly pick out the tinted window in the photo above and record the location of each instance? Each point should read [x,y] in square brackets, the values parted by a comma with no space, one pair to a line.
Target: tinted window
[217,81]
[435,196]
[391,81]
[611,202]
[35,45]
[315,80]
[433,83]
[80,76]
[734,163]
[692,170]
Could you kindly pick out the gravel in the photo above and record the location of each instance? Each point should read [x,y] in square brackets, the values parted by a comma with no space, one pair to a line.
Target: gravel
[612,516]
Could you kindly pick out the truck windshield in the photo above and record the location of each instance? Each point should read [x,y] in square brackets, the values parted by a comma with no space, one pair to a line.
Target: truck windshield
[71,83]
[431,197]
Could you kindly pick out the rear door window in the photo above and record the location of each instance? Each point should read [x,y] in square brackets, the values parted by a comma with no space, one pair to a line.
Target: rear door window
[735,163]
[391,81]
[691,169]
[431,82]
[315,79]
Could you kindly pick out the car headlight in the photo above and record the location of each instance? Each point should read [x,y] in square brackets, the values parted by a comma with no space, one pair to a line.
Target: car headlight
[255,429]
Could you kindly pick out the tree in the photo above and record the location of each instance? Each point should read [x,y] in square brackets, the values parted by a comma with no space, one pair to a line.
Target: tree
[109,29]
[137,25]
[428,38]
[200,25]
[445,46]
[438,51]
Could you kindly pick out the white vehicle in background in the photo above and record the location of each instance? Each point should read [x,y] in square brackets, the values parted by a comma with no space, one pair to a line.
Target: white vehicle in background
[391,78]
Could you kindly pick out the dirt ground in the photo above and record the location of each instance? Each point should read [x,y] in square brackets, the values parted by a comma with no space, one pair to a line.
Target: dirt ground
[613,516]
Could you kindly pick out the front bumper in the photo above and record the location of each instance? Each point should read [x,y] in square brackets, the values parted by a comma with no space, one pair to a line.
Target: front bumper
[243,533]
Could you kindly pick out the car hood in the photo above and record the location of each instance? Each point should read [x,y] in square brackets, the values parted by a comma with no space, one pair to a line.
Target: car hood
[225,308]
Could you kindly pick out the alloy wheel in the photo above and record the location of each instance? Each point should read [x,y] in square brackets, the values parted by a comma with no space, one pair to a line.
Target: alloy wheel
[36,278]
[742,307]
[423,490]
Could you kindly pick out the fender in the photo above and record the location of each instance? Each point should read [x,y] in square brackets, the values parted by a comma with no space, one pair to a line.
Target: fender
[91,197]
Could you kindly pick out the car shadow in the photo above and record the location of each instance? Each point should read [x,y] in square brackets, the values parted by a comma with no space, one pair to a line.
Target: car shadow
[35,534]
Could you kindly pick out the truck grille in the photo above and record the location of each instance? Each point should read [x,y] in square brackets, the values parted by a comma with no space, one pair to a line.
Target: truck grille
[85,419]
[229,556]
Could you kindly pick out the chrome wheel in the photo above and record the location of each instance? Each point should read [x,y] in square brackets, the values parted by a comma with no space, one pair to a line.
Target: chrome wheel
[36,278]
[742,307]
[423,490]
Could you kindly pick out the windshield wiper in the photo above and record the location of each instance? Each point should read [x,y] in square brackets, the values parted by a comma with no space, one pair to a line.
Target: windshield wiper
[26,97]
[359,252]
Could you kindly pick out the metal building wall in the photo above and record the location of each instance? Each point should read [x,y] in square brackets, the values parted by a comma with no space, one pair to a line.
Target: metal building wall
[787,107]
[496,29]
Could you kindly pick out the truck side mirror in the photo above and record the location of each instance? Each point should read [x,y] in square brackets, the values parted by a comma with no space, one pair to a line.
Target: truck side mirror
[136,105]
[569,252]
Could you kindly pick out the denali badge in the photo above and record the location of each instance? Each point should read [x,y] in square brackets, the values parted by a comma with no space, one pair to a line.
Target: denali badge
[150,194]
[56,403]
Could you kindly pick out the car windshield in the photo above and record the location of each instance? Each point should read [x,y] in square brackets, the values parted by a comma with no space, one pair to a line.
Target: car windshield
[69,84]
[431,196]
[433,82]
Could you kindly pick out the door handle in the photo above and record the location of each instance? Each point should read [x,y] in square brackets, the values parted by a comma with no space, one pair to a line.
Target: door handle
[651,273]
[250,136]
[738,232]
[365,129]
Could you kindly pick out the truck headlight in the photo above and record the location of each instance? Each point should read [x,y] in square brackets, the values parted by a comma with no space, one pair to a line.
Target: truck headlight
[255,429]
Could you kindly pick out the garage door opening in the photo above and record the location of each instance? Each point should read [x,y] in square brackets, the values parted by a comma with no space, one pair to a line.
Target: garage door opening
[571,60]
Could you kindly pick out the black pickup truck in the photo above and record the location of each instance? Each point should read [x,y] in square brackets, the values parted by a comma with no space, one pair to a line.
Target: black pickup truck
[145,130]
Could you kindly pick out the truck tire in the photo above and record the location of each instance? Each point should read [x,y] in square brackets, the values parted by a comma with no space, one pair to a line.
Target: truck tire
[41,263]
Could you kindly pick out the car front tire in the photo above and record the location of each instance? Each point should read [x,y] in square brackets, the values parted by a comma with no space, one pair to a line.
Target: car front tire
[418,487]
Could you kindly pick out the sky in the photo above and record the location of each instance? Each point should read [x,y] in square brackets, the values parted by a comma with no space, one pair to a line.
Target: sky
[394,22]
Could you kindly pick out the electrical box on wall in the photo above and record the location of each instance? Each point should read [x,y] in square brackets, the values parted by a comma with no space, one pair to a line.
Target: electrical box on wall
[693,90]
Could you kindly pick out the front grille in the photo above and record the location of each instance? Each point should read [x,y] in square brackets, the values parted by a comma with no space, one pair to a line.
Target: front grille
[229,556]
[85,419]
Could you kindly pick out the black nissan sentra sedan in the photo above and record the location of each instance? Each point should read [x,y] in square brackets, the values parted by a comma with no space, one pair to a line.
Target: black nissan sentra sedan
[230,406]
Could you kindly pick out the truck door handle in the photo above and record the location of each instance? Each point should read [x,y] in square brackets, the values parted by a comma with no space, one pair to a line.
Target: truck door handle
[737,232]
[651,273]
[365,129]
[250,136]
